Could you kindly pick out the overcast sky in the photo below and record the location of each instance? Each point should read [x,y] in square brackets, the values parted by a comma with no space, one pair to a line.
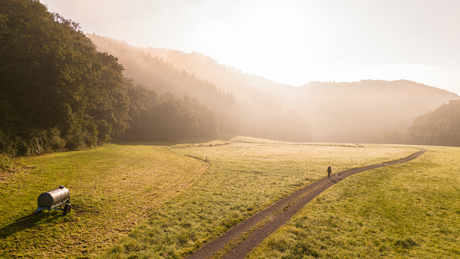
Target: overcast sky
[290,41]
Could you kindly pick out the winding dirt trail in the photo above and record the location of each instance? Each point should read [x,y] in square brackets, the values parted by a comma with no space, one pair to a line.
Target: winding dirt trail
[277,215]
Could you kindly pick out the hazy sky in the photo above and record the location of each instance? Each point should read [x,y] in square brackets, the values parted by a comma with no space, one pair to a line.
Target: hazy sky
[290,41]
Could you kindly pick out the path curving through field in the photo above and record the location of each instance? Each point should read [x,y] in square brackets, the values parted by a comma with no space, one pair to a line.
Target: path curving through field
[277,215]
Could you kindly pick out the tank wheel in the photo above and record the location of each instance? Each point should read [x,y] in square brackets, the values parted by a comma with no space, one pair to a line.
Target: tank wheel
[67,209]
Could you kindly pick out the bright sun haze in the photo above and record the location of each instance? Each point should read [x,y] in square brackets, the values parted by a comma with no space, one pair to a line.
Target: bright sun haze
[292,42]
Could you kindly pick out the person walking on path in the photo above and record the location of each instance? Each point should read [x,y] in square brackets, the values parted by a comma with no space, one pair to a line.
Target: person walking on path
[329,171]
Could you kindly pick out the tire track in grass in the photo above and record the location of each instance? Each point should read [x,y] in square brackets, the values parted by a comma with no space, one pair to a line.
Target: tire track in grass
[242,238]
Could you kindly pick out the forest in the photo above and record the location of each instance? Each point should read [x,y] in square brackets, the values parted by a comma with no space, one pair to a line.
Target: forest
[59,93]
[438,127]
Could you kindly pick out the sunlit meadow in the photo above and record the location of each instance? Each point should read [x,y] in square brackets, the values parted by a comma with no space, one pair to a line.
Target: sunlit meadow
[411,210]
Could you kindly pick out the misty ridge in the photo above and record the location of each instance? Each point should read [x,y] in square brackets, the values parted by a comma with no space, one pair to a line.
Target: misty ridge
[240,108]
[373,111]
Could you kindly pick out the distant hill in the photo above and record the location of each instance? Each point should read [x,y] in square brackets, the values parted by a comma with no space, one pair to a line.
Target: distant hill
[438,127]
[240,108]
[334,112]
[361,111]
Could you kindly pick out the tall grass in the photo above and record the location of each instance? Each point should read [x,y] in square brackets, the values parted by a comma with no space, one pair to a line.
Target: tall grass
[410,210]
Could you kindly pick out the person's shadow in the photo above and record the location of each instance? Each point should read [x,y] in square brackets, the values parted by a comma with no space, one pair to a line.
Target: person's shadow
[26,222]
[334,181]
[338,178]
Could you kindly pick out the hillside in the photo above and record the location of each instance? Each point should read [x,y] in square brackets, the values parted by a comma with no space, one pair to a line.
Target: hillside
[334,112]
[438,127]
[251,112]
[243,85]
[361,111]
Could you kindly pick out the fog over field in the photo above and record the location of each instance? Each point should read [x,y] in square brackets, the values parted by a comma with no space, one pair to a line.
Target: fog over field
[292,42]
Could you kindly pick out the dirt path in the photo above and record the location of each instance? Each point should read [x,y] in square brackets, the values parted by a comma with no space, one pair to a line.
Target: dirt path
[277,215]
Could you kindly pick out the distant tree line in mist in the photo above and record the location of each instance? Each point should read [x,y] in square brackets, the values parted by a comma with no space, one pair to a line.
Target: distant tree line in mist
[368,111]
[57,92]
[439,127]
[163,117]
[240,108]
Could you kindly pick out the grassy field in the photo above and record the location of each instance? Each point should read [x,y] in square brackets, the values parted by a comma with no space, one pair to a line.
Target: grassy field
[112,189]
[410,210]
[244,177]
[152,201]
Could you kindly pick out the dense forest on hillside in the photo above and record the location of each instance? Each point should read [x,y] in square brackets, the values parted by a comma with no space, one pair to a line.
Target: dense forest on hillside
[364,111]
[154,117]
[438,127]
[58,92]
[254,113]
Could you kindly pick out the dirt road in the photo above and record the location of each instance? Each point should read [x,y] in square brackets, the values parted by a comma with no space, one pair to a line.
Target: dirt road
[277,215]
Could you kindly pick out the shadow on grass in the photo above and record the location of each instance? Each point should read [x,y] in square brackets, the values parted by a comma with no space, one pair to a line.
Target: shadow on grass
[26,222]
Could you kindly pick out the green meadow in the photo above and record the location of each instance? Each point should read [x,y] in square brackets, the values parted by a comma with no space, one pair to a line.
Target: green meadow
[410,210]
[245,176]
[157,200]
[112,188]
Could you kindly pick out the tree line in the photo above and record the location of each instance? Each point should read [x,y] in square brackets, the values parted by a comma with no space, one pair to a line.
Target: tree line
[58,92]
[438,127]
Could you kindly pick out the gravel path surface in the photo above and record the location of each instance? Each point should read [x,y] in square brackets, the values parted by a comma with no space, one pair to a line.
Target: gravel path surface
[279,213]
